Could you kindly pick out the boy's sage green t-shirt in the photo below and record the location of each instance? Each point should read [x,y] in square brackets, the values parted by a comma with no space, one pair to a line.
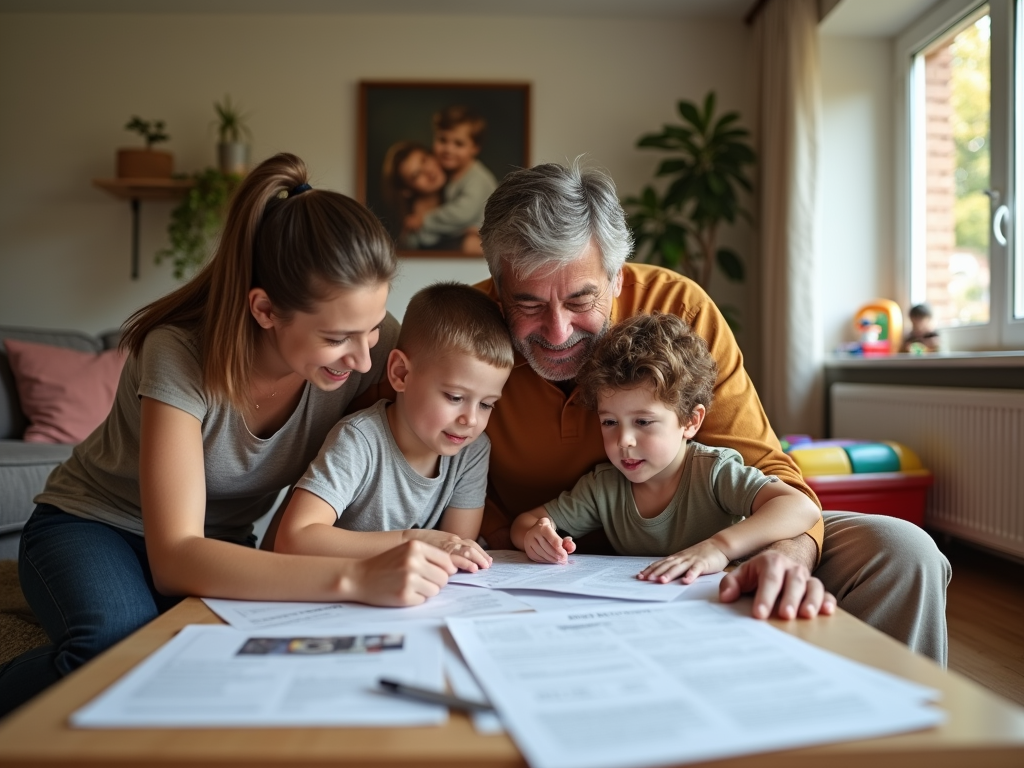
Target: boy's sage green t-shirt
[715,491]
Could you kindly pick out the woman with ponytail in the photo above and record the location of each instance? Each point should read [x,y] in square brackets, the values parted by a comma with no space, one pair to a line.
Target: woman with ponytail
[231,385]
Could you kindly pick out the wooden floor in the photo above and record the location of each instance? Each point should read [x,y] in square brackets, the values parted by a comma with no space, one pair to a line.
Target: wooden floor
[985,617]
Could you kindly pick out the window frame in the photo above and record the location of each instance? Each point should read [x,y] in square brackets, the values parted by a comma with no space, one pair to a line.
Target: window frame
[1003,331]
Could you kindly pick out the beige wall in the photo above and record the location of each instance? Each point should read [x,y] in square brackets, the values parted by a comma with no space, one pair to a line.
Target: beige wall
[856,218]
[68,83]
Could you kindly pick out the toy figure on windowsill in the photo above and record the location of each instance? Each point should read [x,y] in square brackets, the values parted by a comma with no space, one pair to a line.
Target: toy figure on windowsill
[923,337]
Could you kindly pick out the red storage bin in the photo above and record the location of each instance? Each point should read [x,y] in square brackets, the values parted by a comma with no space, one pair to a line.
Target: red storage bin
[897,494]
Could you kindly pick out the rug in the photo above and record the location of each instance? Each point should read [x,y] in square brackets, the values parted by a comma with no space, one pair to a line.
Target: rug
[19,629]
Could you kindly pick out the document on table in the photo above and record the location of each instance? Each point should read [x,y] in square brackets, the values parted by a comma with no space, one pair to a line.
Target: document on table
[639,685]
[609,576]
[212,676]
[704,588]
[465,686]
[453,600]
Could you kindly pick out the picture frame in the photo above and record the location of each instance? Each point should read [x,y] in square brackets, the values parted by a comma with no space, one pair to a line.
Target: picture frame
[430,152]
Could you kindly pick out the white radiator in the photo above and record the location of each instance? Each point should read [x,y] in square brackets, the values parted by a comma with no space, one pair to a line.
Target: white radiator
[971,439]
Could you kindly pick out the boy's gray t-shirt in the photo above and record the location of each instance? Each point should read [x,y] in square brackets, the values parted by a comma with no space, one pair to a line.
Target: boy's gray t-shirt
[243,473]
[362,473]
[715,491]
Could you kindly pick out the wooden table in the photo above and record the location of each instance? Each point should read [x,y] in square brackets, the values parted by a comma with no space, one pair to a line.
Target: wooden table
[983,729]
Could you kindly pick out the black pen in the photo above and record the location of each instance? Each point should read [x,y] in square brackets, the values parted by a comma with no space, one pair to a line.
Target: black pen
[434,697]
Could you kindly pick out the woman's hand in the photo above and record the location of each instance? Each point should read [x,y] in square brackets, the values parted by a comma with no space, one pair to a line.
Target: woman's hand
[409,574]
[465,554]
[693,561]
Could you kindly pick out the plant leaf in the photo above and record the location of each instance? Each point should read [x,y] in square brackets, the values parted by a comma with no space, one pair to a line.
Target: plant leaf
[709,107]
[731,264]
[672,165]
[690,114]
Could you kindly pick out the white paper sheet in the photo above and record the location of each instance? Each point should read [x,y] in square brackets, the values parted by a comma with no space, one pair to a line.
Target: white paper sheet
[638,685]
[704,588]
[609,576]
[465,686]
[212,676]
[453,600]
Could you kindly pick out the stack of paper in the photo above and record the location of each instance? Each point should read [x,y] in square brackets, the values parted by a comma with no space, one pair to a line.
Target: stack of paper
[634,685]
[580,672]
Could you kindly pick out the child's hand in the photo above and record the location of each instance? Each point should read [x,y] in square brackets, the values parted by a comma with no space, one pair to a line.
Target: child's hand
[543,544]
[465,554]
[690,563]
[413,222]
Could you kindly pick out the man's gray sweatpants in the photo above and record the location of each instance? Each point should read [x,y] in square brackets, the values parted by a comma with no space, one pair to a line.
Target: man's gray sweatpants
[888,573]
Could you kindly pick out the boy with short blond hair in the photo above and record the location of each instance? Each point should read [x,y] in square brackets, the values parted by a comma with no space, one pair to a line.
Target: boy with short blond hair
[651,381]
[458,132]
[415,468]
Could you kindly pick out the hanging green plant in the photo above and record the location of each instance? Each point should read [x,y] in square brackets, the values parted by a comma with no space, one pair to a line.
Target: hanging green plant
[708,166]
[197,221]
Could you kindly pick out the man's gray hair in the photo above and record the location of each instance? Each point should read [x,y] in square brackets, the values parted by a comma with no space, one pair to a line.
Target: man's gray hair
[543,217]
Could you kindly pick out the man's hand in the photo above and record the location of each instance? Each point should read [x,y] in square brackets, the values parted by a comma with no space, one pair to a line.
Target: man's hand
[780,585]
[543,544]
[703,557]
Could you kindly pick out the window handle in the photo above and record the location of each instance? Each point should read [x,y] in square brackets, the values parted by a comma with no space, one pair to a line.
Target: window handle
[1001,215]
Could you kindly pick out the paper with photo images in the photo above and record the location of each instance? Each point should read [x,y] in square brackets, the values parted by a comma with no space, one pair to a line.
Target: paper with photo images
[214,676]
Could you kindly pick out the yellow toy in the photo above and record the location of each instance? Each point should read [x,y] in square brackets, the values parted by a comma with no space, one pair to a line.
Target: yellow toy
[879,327]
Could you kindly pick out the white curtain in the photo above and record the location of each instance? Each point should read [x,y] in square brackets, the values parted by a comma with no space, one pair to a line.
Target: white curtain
[790,119]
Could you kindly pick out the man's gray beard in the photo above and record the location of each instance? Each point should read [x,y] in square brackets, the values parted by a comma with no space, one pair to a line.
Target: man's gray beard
[525,348]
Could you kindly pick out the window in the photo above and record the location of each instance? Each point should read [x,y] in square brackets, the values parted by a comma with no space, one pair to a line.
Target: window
[959,105]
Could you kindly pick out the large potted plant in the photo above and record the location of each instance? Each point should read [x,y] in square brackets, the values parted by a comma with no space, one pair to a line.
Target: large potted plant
[145,163]
[706,171]
[197,220]
[232,131]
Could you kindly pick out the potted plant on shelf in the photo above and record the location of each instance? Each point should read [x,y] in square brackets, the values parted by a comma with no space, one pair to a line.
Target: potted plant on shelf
[679,228]
[197,220]
[145,163]
[232,151]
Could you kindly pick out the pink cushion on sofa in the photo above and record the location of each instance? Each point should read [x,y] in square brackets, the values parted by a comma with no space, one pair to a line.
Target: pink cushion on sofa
[65,393]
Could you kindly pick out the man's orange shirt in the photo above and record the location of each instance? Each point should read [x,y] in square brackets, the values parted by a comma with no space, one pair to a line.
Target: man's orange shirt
[542,442]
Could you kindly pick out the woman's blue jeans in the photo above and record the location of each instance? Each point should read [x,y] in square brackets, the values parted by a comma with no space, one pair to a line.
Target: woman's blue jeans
[89,584]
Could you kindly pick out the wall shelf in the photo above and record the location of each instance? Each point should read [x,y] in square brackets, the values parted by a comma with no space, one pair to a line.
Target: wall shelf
[136,190]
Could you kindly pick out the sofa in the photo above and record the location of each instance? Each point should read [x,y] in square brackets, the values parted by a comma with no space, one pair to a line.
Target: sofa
[24,466]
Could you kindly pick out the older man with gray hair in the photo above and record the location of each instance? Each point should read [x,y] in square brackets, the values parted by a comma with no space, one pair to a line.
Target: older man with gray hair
[556,242]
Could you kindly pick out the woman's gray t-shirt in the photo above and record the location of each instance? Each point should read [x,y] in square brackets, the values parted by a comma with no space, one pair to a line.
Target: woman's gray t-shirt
[244,473]
[364,475]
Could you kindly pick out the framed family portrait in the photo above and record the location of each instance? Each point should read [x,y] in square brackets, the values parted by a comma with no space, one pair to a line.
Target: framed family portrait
[431,153]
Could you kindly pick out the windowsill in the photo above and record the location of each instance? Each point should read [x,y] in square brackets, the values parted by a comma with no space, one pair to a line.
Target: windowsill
[1002,359]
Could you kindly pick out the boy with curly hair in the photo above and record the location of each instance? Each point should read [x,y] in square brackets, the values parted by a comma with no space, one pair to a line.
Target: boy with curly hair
[662,495]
